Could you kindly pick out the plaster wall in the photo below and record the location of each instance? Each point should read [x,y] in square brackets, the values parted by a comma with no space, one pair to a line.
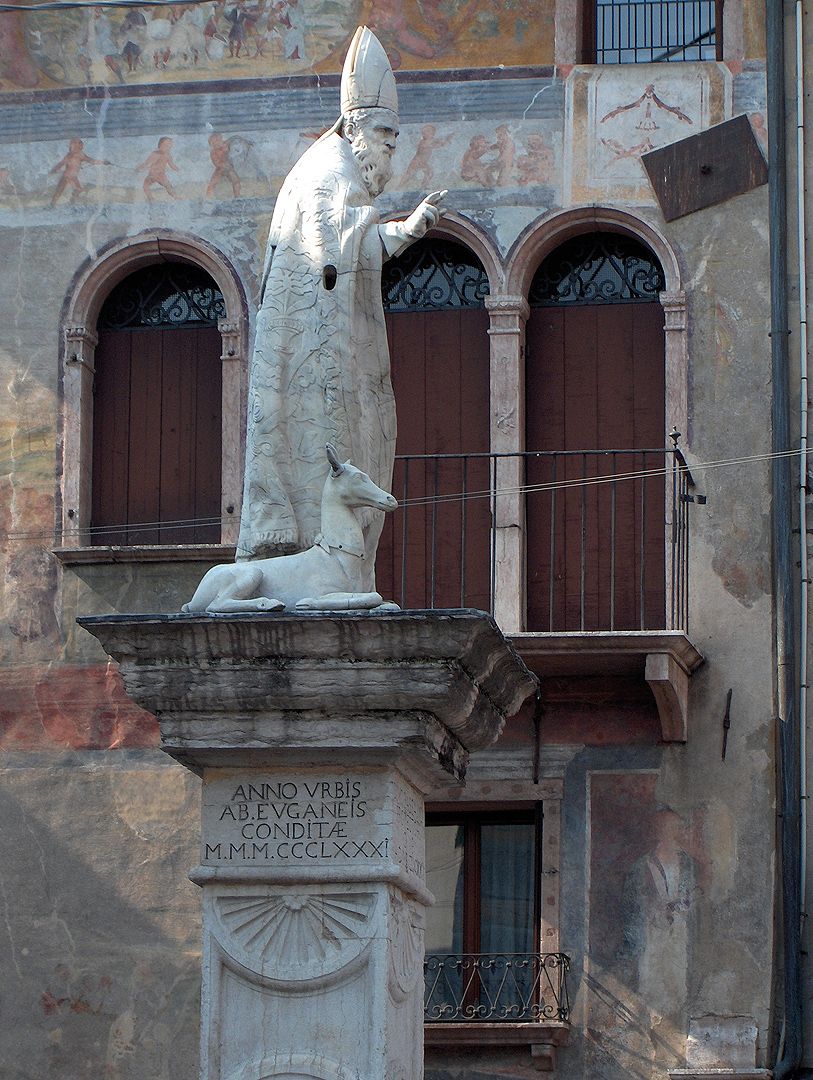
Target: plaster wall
[99,966]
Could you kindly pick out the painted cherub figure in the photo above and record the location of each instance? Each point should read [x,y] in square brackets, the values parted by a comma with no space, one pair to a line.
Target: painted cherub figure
[71,165]
[422,160]
[156,165]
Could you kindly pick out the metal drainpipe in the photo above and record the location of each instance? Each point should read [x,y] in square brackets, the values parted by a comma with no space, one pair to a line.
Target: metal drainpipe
[784,689]
[804,408]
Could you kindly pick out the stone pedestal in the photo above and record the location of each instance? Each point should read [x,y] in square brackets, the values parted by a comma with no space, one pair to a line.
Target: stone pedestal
[317,737]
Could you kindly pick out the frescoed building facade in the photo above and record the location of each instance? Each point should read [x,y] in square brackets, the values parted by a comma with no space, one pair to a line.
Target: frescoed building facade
[581,358]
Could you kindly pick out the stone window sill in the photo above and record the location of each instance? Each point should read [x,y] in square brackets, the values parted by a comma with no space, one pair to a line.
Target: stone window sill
[101,555]
[541,1039]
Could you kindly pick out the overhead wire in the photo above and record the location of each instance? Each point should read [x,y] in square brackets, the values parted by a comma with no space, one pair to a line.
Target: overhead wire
[451,497]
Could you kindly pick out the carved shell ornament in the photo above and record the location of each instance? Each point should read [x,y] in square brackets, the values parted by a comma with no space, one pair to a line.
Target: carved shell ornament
[297,1066]
[296,935]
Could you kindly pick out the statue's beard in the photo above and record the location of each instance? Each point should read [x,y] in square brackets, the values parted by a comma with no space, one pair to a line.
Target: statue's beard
[376,165]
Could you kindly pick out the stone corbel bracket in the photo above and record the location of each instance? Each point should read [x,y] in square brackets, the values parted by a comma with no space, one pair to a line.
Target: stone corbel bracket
[668,679]
[666,658]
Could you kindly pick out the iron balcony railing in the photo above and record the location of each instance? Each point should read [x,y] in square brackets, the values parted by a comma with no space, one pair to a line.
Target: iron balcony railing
[607,535]
[496,988]
[649,31]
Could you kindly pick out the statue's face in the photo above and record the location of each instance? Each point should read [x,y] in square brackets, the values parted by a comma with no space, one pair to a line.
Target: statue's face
[372,134]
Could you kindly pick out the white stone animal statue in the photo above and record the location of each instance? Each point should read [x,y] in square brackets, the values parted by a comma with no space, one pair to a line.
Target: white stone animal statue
[326,577]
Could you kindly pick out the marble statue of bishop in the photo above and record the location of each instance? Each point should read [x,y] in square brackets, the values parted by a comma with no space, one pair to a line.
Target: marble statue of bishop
[320,371]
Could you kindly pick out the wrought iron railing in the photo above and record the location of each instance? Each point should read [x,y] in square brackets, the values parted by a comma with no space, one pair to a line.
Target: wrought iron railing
[648,31]
[496,987]
[607,536]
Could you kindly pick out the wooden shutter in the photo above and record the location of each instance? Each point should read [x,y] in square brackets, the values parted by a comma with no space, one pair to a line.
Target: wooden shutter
[595,381]
[440,375]
[157,436]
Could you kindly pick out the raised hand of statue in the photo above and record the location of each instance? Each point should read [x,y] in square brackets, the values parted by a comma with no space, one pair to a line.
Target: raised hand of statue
[426,215]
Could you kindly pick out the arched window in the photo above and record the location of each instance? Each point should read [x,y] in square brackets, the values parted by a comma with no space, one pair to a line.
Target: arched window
[435,553]
[157,410]
[595,433]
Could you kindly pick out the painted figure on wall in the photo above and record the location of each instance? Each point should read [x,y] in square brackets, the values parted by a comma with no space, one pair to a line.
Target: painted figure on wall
[661,890]
[650,876]
[101,45]
[293,35]
[134,30]
[156,165]
[506,151]
[220,153]
[535,166]
[71,165]
[473,167]
[422,161]
[320,371]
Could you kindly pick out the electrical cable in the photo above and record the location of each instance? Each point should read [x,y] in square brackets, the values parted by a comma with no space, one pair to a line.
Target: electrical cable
[486,493]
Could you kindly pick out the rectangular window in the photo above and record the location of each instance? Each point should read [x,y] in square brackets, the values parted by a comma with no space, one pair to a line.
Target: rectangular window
[652,31]
[482,937]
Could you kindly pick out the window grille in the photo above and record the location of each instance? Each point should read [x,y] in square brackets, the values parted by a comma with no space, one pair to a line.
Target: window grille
[163,296]
[597,268]
[434,275]
[652,31]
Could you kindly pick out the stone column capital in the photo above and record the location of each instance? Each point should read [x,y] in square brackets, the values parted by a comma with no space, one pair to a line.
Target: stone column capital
[230,331]
[674,309]
[80,344]
[508,314]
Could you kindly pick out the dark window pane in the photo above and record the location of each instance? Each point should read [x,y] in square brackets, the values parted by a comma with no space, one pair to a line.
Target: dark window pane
[507,888]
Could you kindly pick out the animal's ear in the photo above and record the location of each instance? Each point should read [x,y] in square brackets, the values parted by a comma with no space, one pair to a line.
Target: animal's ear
[333,458]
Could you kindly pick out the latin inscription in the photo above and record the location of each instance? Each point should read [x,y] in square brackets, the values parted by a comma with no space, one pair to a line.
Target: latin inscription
[292,821]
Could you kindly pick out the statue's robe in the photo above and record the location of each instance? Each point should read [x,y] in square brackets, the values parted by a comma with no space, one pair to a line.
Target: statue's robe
[320,371]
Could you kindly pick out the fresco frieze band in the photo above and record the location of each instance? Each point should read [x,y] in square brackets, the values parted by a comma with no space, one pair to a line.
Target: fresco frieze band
[109,46]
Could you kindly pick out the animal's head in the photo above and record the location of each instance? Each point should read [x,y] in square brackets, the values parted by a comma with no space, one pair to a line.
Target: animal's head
[353,487]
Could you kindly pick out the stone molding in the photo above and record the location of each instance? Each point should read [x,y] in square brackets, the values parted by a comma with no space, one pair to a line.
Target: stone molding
[445,678]
[508,314]
[720,1074]
[80,345]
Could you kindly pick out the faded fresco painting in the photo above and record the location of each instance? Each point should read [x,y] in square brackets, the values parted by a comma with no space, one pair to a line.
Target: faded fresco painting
[216,39]
[615,119]
[650,870]
[462,157]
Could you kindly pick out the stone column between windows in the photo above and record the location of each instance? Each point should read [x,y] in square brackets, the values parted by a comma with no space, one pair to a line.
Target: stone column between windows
[508,315]
[676,362]
[77,450]
[676,357]
[233,432]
